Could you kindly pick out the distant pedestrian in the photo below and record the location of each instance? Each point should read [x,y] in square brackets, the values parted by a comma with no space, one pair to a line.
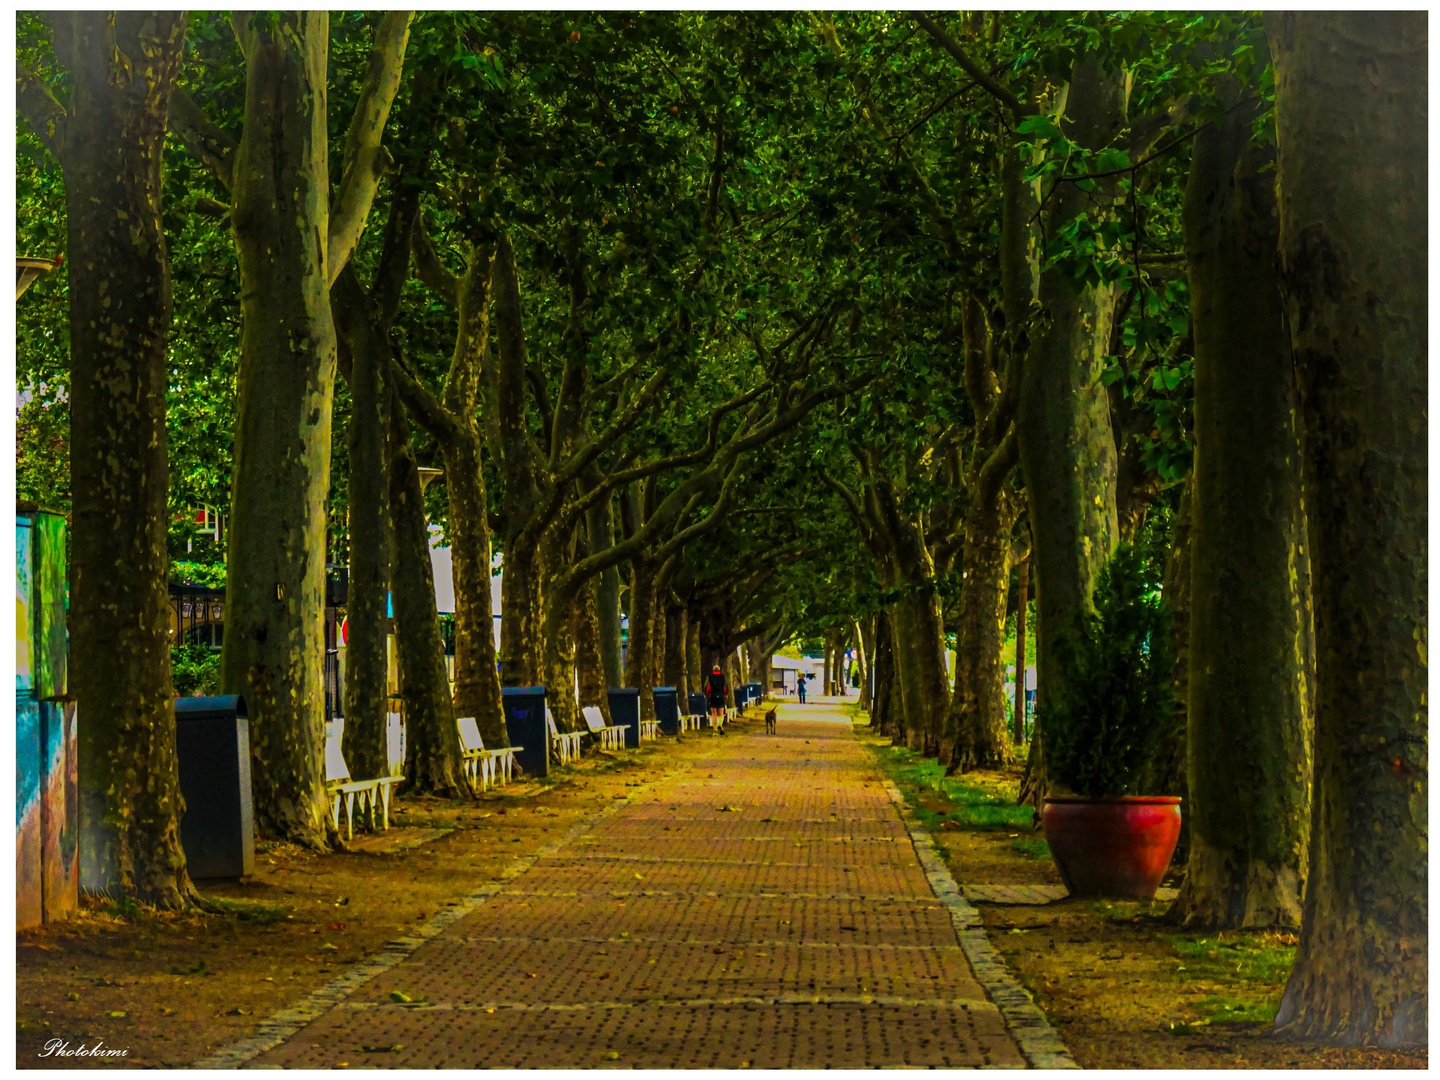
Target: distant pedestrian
[715,690]
[800,688]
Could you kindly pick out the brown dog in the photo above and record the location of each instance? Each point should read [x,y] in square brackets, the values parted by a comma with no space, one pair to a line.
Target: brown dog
[770,722]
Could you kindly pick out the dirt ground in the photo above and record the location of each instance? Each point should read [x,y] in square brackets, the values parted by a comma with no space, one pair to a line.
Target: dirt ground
[1123,989]
[170,988]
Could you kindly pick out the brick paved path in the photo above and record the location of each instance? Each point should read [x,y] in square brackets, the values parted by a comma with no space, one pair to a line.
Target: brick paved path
[766,908]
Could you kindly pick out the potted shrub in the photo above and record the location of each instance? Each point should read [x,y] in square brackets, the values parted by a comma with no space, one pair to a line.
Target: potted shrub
[1100,733]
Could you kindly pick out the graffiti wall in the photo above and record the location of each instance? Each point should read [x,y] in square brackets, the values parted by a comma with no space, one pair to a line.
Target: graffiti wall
[46,811]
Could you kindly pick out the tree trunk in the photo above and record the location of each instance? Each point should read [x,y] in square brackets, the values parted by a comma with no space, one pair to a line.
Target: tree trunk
[920,655]
[732,678]
[589,668]
[1249,742]
[366,704]
[477,682]
[976,717]
[863,657]
[657,636]
[883,705]
[558,674]
[695,673]
[110,150]
[521,613]
[676,633]
[1067,449]
[827,679]
[640,655]
[275,590]
[1351,121]
[1020,615]
[599,528]
[432,751]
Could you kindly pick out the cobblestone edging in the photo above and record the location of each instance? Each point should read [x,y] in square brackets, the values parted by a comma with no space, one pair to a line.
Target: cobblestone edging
[1038,1041]
[278,1027]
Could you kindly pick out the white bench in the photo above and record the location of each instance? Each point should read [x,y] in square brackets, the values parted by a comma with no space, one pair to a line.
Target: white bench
[373,794]
[611,737]
[488,766]
[566,744]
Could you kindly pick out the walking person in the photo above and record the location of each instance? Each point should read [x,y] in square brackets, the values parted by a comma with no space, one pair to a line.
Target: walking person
[715,689]
[800,687]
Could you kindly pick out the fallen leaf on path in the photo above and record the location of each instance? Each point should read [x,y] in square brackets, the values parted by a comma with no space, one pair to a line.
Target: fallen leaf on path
[72,996]
[387,1048]
[342,901]
[237,1011]
[611,1055]
[337,926]
[328,947]
[117,1014]
[729,809]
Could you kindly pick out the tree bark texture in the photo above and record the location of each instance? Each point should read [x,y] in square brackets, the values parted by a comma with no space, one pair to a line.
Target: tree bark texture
[884,707]
[109,142]
[1351,117]
[694,672]
[1251,650]
[640,653]
[979,733]
[275,589]
[676,634]
[599,529]
[432,749]
[589,668]
[366,705]
[1020,616]
[1067,448]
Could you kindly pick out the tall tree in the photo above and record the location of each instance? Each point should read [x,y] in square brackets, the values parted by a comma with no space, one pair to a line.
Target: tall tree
[1351,116]
[292,244]
[1251,658]
[108,139]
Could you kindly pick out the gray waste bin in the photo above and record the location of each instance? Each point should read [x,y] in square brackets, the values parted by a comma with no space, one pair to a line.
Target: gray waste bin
[212,747]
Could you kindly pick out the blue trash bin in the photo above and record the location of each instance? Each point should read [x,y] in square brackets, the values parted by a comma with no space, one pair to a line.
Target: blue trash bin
[212,750]
[667,709]
[625,712]
[525,722]
[699,709]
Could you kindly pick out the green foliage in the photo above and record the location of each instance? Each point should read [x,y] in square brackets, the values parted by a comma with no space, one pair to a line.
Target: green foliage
[196,670]
[1100,733]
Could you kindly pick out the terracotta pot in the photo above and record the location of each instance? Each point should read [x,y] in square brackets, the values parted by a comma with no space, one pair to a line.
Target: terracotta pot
[1116,847]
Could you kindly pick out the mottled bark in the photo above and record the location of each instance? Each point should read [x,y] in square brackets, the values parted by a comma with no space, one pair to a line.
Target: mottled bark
[452,422]
[676,633]
[1067,449]
[432,750]
[109,142]
[640,653]
[275,589]
[979,736]
[599,529]
[695,673]
[1249,723]
[366,705]
[589,668]
[1351,121]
